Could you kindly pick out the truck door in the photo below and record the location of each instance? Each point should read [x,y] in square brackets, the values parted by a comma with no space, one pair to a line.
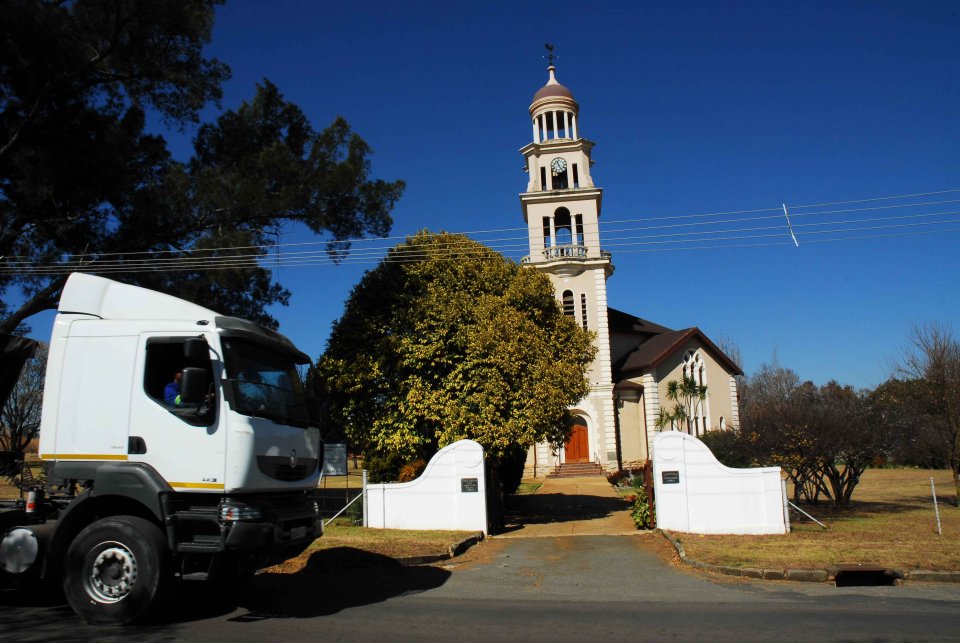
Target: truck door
[183,442]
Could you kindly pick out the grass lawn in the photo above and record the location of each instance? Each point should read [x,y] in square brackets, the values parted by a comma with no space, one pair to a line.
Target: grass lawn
[528,488]
[890,523]
[389,543]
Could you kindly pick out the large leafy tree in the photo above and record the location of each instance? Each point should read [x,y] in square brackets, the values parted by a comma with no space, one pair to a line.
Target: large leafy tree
[446,340]
[824,437]
[84,186]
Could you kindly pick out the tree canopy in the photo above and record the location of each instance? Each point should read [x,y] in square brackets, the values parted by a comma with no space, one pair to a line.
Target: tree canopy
[85,186]
[926,392]
[824,437]
[446,339]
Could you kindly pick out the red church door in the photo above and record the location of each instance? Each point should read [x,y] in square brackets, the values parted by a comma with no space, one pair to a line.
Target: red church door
[577,448]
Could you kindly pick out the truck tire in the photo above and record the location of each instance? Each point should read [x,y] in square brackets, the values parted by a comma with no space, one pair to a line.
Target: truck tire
[116,570]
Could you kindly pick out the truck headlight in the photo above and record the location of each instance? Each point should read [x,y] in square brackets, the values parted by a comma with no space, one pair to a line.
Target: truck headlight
[233,511]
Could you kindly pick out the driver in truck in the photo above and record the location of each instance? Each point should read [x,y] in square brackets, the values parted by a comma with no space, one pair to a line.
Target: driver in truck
[171,393]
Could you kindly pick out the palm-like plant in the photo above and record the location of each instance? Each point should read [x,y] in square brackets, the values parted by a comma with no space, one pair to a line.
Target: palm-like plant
[687,397]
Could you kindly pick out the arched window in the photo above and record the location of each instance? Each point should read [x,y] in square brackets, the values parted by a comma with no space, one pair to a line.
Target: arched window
[694,370]
[563,227]
[568,305]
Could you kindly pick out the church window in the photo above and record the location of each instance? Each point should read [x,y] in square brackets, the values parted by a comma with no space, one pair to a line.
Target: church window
[568,305]
[723,423]
[543,178]
[583,309]
[576,176]
[694,369]
[578,224]
[562,227]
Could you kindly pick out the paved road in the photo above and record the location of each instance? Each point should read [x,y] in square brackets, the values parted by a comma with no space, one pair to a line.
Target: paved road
[570,588]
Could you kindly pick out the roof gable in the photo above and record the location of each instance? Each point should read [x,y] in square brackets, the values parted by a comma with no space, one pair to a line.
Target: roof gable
[656,349]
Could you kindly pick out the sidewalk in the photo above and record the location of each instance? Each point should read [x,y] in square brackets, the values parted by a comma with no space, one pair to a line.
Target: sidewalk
[570,507]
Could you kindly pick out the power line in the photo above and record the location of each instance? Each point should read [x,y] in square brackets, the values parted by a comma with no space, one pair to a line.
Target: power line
[374,250]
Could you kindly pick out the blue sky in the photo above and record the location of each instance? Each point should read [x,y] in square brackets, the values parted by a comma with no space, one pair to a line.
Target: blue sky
[695,107]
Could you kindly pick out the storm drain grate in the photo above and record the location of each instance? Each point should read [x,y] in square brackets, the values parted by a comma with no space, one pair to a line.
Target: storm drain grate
[866,577]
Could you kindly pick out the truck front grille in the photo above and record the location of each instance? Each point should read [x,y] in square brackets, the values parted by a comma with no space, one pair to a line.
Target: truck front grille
[279,467]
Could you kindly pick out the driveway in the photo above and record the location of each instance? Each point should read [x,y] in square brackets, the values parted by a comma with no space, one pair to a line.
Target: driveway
[570,507]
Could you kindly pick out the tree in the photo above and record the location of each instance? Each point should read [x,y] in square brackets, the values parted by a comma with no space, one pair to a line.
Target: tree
[20,415]
[83,186]
[687,397]
[930,370]
[444,340]
[824,437]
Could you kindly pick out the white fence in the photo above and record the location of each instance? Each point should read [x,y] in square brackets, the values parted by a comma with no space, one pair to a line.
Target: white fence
[450,494]
[697,494]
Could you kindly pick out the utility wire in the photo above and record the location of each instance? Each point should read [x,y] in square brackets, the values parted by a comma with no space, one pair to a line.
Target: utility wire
[374,250]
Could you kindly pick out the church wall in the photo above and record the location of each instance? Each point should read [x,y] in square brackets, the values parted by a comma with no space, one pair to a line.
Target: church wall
[721,397]
[633,435]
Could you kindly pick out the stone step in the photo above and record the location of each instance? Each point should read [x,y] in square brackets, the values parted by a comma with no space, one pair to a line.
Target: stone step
[576,470]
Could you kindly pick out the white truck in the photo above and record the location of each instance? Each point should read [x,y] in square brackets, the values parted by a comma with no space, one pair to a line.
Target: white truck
[147,483]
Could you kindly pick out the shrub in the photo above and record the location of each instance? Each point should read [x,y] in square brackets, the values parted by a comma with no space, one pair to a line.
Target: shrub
[509,468]
[728,447]
[383,467]
[616,478]
[641,514]
[411,470]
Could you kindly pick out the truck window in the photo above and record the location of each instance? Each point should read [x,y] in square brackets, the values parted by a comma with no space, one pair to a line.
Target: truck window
[164,360]
[264,383]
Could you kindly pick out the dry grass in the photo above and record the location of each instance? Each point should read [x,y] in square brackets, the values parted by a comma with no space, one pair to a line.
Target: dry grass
[890,523]
[9,491]
[391,543]
[353,479]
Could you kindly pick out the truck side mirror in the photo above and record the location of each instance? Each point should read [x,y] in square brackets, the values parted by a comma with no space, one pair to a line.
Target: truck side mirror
[193,385]
[196,351]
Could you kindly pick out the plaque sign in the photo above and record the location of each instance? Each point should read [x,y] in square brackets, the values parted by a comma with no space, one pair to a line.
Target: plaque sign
[469,485]
[670,477]
[335,458]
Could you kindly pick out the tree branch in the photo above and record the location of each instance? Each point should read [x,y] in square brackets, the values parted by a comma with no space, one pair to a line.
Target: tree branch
[45,299]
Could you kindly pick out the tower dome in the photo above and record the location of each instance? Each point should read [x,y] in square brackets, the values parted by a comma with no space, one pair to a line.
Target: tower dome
[554,111]
[552,88]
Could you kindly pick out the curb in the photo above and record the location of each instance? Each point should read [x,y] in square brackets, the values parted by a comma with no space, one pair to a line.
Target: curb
[454,550]
[809,575]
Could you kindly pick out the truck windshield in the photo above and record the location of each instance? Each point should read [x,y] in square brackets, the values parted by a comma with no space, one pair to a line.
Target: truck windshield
[264,383]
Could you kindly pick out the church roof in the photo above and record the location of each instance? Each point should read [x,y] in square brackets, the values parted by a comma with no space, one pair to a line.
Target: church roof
[654,345]
[621,322]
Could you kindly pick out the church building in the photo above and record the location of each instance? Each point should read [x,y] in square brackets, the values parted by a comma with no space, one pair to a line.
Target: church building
[636,359]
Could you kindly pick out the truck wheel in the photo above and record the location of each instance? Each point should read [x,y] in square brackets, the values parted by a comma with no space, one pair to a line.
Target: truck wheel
[116,570]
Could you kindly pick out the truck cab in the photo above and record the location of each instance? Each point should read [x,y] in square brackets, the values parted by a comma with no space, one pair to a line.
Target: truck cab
[190,428]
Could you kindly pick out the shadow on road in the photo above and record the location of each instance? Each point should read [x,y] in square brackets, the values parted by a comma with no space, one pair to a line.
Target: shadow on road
[332,580]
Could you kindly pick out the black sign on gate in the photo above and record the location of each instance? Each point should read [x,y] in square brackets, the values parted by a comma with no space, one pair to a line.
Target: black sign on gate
[670,477]
[469,485]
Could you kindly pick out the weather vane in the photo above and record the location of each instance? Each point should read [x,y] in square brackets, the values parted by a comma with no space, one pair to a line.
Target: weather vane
[549,53]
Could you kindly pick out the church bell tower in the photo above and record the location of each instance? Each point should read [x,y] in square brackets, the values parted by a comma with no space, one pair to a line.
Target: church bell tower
[561,207]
